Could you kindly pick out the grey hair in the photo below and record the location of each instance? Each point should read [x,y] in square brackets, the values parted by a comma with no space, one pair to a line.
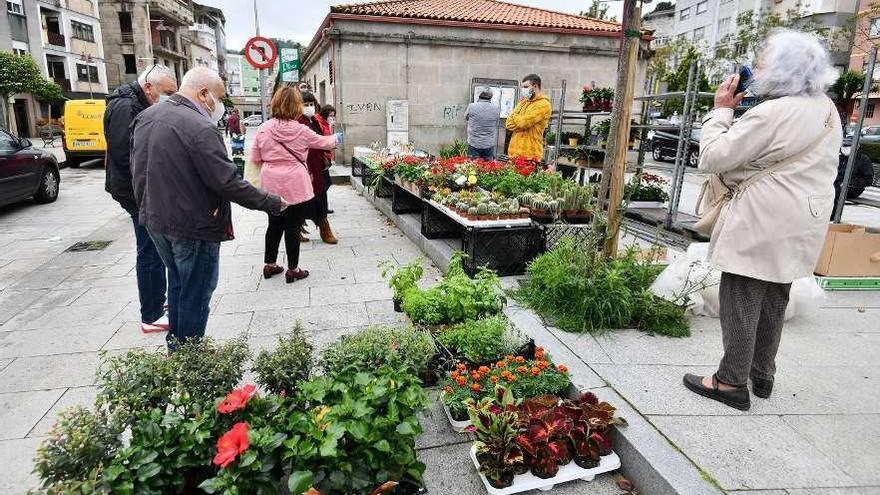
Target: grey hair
[156,73]
[793,64]
[200,77]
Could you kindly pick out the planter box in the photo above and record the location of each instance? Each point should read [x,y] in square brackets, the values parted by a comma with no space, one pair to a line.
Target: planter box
[569,472]
[458,426]
[403,200]
[646,204]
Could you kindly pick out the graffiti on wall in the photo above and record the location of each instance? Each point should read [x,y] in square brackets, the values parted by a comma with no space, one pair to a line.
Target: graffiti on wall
[454,112]
[363,107]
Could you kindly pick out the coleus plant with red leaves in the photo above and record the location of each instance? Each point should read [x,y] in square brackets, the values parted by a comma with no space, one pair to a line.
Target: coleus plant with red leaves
[545,441]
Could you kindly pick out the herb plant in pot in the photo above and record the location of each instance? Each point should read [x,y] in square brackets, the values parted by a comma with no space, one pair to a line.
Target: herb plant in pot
[401,279]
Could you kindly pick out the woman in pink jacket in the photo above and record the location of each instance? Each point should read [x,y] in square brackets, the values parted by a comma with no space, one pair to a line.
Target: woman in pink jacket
[281,147]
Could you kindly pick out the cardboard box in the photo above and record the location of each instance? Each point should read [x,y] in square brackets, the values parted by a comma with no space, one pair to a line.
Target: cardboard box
[849,251]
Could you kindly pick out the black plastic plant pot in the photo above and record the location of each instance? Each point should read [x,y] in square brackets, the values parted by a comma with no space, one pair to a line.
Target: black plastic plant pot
[408,486]
[397,307]
[502,482]
[585,462]
[428,376]
[546,476]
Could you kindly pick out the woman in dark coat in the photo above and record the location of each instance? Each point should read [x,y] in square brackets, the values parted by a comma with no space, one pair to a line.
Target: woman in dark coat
[319,166]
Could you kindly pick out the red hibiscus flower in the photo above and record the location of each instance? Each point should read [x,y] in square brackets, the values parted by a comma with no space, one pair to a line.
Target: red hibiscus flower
[232,443]
[236,399]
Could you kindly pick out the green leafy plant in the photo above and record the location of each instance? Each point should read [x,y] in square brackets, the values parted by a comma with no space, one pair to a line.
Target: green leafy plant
[399,347]
[136,381]
[457,148]
[206,369]
[580,290]
[489,338]
[646,187]
[284,368]
[81,443]
[402,278]
[495,431]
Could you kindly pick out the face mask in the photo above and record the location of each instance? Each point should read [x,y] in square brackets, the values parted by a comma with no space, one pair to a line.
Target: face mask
[525,92]
[309,111]
[219,109]
[331,120]
[163,97]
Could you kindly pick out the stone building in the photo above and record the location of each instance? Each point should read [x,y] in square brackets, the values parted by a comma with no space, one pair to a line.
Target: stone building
[866,36]
[65,39]
[208,35]
[432,54]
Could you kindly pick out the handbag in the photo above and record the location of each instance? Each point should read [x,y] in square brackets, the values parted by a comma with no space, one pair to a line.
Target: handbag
[715,194]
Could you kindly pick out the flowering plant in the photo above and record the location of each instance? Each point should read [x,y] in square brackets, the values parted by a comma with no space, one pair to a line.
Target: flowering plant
[237,399]
[231,444]
[647,187]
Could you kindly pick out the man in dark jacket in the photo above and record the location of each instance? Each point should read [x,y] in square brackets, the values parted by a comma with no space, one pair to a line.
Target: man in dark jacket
[154,84]
[183,183]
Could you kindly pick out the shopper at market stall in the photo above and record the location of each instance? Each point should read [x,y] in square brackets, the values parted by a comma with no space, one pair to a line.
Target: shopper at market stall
[328,113]
[482,126]
[780,160]
[281,148]
[319,167]
[183,182]
[528,120]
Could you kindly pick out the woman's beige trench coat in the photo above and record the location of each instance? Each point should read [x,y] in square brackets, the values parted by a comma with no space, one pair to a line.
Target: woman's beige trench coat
[774,230]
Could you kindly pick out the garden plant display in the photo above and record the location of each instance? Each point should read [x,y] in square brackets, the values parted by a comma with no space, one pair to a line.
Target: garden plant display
[525,378]
[646,187]
[402,347]
[486,339]
[597,99]
[579,290]
[456,298]
[402,278]
[351,430]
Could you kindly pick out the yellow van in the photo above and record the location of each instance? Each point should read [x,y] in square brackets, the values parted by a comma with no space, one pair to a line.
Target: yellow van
[84,130]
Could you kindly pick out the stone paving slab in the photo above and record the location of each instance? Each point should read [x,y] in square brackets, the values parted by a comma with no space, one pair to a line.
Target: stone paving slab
[16,464]
[49,372]
[83,396]
[752,452]
[848,439]
[55,340]
[20,411]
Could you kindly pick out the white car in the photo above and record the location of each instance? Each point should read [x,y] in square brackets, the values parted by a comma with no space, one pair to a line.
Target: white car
[252,121]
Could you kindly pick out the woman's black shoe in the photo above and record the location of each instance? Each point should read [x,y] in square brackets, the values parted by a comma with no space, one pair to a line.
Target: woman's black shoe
[737,398]
[762,387]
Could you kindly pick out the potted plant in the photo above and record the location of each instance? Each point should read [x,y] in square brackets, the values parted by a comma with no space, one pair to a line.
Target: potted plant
[606,98]
[401,279]
[574,138]
[495,433]
[545,442]
[472,213]
[576,204]
[646,191]
[588,98]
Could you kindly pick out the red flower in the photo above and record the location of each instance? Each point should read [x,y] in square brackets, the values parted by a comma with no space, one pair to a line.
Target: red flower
[237,399]
[232,443]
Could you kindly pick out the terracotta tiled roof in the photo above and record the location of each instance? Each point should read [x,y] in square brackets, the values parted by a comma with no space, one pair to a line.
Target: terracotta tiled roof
[478,11]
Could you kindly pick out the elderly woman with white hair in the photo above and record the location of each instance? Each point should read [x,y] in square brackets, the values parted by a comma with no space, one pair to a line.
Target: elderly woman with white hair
[778,163]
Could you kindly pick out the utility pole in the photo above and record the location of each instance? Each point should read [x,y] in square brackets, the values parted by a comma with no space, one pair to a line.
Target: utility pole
[263,73]
[614,167]
[857,136]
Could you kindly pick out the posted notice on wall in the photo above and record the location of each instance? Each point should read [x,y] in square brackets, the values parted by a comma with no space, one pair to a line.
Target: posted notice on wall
[397,116]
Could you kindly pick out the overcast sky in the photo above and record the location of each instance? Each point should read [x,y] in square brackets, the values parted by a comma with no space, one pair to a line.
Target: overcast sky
[299,19]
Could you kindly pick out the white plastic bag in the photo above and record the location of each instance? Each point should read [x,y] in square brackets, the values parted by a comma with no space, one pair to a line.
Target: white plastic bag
[691,273]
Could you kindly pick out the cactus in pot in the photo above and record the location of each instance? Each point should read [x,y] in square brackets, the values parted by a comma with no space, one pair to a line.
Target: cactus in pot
[482,211]
[494,211]
[472,213]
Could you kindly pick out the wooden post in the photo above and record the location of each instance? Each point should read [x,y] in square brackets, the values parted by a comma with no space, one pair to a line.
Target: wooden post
[614,168]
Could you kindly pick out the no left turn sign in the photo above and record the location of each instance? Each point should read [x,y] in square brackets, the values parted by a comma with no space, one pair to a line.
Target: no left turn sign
[260,52]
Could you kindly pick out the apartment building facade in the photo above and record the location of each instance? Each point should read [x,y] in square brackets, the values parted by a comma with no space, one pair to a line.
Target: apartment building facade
[65,38]
[208,34]
[867,36]
[243,83]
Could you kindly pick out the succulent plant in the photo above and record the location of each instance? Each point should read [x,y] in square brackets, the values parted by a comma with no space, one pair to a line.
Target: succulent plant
[494,209]
[553,205]
[472,210]
[462,206]
[482,209]
[540,205]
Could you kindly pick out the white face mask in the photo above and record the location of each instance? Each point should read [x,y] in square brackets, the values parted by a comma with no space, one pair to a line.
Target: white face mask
[163,97]
[219,109]
[309,111]
[525,92]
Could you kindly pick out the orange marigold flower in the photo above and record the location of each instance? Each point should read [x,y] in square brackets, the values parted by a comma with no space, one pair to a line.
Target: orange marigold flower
[493,379]
[562,368]
[542,364]
[509,357]
[501,364]
[536,372]
[460,367]
[539,349]
[475,387]
[520,359]
[484,369]
[512,378]
[461,381]
[455,374]
[522,369]
[447,389]
[476,376]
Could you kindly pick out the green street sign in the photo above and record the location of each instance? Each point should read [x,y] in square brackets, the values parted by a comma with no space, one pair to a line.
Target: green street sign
[290,64]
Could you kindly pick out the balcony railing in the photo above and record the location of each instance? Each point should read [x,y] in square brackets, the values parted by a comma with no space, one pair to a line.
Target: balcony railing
[56,39]
[176,11]
[127,37]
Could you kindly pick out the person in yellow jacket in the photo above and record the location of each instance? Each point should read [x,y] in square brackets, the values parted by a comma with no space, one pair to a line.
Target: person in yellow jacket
[528,120]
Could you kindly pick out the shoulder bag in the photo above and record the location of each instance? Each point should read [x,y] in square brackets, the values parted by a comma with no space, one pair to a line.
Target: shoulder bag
[715,194]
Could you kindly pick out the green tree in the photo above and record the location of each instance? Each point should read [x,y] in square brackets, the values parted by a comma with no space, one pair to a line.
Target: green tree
[18,74]
[598,10]
[677,79]
[662,6]
[844,88]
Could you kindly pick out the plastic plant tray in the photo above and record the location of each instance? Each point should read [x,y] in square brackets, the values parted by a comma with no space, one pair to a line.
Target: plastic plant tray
[569,472]
[458,426]
[517,222]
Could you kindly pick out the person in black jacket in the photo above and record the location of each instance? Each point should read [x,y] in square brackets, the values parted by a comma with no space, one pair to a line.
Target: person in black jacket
[155,83]
[183,182]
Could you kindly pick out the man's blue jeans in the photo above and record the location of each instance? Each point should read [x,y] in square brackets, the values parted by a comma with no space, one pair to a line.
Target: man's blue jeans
[487,153]
[150,271]
[193,268]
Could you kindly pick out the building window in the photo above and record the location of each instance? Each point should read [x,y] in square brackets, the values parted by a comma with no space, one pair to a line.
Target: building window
[702,6]
[869,112]
[20,51]
[723,26]
[874,30]
[699,33]
[125,27]
[86,72]
[82,31]
[685,14]
[14,7]
[130,64]
[739,49]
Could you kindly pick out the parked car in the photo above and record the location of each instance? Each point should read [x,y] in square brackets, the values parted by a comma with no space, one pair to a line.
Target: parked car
[26,172]
[664,146]
[870,134]
[252,121]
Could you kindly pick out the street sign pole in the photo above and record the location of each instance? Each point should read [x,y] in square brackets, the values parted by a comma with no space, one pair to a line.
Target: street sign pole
[263,74]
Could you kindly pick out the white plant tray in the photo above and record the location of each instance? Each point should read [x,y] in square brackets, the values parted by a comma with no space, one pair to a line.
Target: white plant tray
[645,204]
[569,472]
[458,426]
[517,222]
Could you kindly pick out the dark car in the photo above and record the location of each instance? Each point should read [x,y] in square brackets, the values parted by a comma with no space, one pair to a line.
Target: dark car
[664,145]
[26,172]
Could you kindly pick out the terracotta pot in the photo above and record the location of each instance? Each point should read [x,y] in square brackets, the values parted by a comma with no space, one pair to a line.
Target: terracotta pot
[573,141]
